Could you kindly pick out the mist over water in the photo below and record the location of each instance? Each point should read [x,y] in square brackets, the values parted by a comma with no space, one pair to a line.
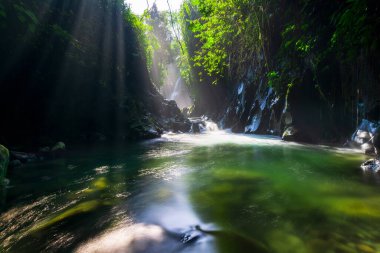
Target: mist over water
[174,87]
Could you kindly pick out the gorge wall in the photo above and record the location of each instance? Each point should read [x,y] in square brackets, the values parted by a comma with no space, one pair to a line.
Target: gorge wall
[307,66]
[75,71]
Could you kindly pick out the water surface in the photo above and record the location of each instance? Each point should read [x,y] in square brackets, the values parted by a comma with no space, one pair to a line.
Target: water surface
[214,192]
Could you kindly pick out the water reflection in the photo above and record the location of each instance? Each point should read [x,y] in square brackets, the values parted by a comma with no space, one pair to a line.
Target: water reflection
[215,192]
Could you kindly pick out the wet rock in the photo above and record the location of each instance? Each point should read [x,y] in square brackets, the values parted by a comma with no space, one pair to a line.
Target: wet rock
[23,157]
[4,160]
[59,146]
[367,148]
[151,133]
[44,149]
[170,109]
[197,124]
[293,134]
[195,128]
[183,127]
[172,119]
[366,137]
[254,109]
[372,165]
[144,132]
[191,235]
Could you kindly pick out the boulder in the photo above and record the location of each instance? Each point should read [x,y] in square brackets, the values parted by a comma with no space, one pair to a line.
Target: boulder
[367,148]
[197,124]
[195,128]
[293,134]
[44,149]
[4,160]
[183,127]
[59,146]
[372,165]
[170,109]
[145,129]
[367,137]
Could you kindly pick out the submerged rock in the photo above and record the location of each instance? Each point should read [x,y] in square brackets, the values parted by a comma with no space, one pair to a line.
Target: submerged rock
[234,242]
[23,157]
[4,160]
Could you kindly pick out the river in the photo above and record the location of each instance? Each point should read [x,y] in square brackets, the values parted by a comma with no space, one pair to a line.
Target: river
[211,192]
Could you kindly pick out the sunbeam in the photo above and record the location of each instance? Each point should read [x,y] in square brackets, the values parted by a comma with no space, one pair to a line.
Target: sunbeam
[149,126]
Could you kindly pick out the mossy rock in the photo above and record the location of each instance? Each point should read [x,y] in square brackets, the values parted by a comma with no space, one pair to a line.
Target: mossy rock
[59,146]
[4,160]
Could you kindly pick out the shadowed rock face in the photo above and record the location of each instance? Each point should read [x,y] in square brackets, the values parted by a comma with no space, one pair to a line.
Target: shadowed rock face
[4,159]
[75,77]
[254,109]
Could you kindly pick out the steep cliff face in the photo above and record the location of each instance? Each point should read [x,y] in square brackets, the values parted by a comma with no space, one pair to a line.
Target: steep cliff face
[306,69]
[75,71]
[317,114]
[254,108]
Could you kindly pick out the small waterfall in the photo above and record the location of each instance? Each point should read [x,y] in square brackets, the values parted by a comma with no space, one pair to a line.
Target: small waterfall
[202,125]
[176,89]
[211,126]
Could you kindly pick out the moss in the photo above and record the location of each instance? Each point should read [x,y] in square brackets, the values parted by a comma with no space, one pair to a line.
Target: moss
[84,207]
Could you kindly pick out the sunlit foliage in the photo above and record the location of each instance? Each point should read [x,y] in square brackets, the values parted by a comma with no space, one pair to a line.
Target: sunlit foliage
[229,33]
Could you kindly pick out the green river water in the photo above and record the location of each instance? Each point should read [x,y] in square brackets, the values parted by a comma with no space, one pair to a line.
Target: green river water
[214,192]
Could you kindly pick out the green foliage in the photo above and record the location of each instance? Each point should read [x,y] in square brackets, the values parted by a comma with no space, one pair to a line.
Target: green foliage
[296,38]
[3,14]
[160,39]
[26,16]
[143,31]
[60,32]
[182,61]
[229,33]
[356,29]
[156,39]
[273,79]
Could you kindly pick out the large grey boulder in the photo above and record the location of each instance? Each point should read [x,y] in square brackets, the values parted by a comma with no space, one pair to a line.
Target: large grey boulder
[367,136]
